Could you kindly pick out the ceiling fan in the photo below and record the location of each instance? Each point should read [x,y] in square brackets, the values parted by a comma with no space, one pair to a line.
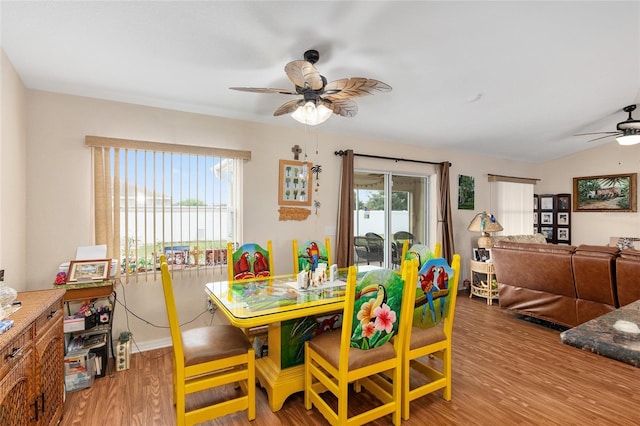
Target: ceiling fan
[627,132]
[320,99]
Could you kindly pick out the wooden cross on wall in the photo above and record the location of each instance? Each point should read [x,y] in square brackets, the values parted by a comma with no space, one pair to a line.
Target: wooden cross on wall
[296,151]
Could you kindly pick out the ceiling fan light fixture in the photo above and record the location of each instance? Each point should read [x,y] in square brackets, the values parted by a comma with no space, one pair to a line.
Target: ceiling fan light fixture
[630,137]
[311,114]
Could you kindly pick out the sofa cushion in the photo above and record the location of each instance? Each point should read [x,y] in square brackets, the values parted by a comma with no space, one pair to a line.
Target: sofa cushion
[594,275]
[529,238]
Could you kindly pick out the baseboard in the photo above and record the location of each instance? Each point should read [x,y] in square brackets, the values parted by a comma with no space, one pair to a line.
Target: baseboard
[151,345]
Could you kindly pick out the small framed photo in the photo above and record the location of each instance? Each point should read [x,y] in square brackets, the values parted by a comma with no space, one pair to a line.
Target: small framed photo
[546,218]
[88,270]
[535,202]
[546,202]
[547,231]
[535,218]
[482,254]
[563,202]
[563,234]
[563,218]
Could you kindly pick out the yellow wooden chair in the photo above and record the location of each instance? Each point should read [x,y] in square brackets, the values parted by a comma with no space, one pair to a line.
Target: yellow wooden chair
[310,253]
[428,347]
[250,260]
[362,353]
[208,357]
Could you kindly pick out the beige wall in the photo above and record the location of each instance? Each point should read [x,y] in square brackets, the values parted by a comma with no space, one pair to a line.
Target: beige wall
[14,257]
[608,159]
[59,186]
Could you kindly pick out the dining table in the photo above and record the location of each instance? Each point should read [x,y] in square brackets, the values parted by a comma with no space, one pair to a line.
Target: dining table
[291,313]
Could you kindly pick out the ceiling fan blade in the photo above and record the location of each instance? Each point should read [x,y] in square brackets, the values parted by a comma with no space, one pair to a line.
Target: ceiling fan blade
[605,136]
[288,107]
[355,87]
[264,90]
[596,133]
[343,107]
[304,74]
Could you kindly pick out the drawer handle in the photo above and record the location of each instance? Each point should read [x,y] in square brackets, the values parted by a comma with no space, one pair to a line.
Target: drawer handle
[15,353]
[52,314]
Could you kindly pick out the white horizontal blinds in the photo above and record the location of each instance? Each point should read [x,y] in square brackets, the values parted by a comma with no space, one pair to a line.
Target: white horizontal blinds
[512,203]
[170,200]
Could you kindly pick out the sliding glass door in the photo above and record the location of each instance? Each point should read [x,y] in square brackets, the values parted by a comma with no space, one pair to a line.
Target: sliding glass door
[390,208]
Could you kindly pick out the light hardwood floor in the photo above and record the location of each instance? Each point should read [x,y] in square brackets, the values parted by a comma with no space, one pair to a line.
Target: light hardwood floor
[507,371]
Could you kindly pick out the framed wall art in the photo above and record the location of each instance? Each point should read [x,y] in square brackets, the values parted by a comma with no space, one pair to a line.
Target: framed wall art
[466,192]
[295,181]
[606,193]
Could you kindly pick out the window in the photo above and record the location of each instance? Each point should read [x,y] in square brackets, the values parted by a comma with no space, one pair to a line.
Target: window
[511,203]
[153,199]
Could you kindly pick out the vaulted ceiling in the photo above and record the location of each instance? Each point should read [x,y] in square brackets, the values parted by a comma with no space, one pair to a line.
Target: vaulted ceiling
[509,79]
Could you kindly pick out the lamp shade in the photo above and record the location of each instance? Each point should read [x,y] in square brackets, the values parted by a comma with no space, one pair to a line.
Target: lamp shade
[484,222]
[629,138]
[311,114]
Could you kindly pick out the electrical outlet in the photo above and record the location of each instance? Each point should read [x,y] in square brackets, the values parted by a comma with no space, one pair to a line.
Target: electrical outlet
[211,307]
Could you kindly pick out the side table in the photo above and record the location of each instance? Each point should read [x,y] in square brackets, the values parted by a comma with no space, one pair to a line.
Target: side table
[479,289]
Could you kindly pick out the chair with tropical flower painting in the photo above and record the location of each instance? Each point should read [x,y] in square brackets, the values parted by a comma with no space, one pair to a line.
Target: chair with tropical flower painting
[377,309]
[250,260]
[427,349]
[309,254]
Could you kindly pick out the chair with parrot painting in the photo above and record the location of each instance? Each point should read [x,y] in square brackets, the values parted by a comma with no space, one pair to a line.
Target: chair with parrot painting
[250,260]
[367,349]
[427,350]
[309,254]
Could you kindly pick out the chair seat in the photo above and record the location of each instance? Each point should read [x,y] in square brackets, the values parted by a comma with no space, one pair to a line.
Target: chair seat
[205,344]
[426,336]
[327,345]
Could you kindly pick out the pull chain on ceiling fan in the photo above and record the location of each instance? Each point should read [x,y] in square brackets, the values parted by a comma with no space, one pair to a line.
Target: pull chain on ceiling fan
[320,99]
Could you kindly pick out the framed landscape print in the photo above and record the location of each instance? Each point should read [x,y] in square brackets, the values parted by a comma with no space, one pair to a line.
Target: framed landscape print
[295,181]
[466,192]
[606,193]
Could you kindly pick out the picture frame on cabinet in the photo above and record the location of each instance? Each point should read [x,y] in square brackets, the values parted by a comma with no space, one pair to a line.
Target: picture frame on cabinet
[547,231]
[482,254]
[546,218]
[546,203]
[563,234]
[563,218]
[563,202]
[88,270]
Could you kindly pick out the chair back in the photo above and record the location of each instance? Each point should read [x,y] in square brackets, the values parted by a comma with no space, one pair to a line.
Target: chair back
[172,314]
[250,260]
[307,256]
[420,252]
[375,308]
[435,293]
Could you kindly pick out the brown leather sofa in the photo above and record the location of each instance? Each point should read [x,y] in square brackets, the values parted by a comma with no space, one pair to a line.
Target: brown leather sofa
[563,284]
[628,276]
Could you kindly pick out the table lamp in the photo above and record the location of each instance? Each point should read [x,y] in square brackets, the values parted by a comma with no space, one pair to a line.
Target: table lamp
[484,222]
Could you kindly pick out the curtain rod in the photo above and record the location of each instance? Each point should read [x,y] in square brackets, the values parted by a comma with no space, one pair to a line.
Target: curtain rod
[342,153]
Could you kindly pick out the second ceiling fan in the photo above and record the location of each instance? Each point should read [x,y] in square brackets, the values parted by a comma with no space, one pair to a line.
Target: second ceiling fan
[627,131]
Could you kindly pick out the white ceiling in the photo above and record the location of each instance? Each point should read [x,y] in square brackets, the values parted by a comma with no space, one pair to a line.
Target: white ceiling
[509,79]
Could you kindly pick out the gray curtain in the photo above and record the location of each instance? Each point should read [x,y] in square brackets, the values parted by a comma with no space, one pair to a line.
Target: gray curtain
[444,212]
[344,237]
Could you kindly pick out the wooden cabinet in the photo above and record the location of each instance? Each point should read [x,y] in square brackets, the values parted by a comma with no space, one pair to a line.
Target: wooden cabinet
[552,217]
[31,381]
